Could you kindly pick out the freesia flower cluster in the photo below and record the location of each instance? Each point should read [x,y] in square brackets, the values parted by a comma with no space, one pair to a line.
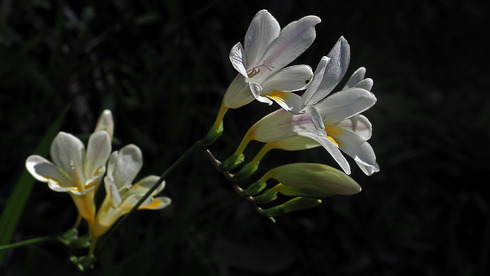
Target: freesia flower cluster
[315,117]
[79,172]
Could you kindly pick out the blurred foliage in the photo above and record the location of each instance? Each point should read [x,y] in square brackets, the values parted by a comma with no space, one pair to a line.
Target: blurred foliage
[162,68]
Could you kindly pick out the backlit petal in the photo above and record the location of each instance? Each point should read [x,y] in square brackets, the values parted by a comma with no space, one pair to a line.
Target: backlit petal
[256,90]
[293,40]
[366,84]
[358,124]
[345,104]
[310,97]
[291,78]
[263,29]
[238,59]
[295,143]
[355,78]
[336,67]
[282,124]
[287,100]
[238,93]
[357,148]
[332,149]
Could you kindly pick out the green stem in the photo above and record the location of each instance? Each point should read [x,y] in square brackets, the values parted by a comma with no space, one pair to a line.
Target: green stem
[170,169]
[27,242]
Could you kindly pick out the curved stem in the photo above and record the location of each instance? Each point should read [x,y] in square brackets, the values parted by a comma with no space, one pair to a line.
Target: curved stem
[27,242]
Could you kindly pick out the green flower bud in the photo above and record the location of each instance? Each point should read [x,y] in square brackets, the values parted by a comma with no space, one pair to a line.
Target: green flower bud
[312,180]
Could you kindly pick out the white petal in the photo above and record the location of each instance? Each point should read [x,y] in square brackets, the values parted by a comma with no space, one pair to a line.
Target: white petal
[296,143]
[366,168]
[68,153]
[256,90]
[358,124]
[293,40]
[366,84]
[59,187]
[336,67]
[98,151]
[128,164]
[357,148]
[105,123]
[310,97]
[356,77]
[112,192]
[145,184]
[263,29]
[282,124]
[292,78]
[238,93]
[131,199]
[157,203]
[345,104]
[111,164]
[238,59]
[43,170]
[316,116]
[287,100]
[331,148]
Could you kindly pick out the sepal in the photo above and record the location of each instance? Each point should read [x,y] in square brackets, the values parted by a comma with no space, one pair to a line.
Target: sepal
[266,197]
[295,204]
[254,188]
[232,162]
[213,134]
[246,171]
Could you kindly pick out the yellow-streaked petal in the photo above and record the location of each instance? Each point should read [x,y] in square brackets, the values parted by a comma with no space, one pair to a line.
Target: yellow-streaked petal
[287,100]
[157,203]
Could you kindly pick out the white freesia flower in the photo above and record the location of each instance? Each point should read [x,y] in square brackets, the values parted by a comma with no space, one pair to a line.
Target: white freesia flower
[74,170]
[333,122]
[261,60]
[121,194]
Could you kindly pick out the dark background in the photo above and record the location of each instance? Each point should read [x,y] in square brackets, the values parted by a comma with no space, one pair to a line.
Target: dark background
[162,68]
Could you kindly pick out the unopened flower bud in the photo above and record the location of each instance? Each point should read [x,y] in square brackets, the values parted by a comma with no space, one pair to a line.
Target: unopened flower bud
[312,180]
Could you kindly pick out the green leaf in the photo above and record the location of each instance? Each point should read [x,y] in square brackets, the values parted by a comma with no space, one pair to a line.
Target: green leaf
[18,198]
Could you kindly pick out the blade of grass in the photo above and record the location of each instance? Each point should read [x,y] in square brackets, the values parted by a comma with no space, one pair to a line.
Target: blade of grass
[18,198]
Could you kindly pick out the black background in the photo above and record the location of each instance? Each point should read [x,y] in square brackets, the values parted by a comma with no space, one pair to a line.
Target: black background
[162,68]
